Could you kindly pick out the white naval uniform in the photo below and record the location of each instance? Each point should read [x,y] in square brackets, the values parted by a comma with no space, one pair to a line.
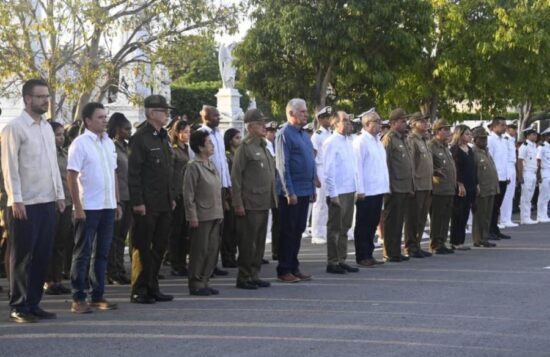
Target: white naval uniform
[543,154]
[507,202]
[528,153]
[319,214]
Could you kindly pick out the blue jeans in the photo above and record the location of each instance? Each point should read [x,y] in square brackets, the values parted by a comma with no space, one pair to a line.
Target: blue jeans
[93,237]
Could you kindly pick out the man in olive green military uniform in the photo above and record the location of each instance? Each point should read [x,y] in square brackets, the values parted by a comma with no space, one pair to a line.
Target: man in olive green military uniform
[253,182]
[150,166]
[400,168]
[419,205]
[488,188]
[444,187]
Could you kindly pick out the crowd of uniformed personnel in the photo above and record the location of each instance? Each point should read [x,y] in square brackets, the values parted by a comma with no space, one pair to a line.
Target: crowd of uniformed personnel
[188,196]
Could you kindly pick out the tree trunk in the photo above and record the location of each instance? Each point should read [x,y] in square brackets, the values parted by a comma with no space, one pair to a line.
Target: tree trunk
[524,121]
[321,85]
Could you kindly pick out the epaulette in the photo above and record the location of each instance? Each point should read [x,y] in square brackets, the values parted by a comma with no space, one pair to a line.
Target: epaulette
[319,132]
[506,138]
[525,143]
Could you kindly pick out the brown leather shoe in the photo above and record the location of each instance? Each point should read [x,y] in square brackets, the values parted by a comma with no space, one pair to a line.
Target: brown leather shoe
[367,263]
[103,304]
[80,307]
[303,277]
[288,278]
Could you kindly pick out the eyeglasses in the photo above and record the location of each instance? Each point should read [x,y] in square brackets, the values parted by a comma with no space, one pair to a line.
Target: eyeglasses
[46,96]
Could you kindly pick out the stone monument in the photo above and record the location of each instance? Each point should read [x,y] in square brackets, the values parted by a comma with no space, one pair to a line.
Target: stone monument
[229,98]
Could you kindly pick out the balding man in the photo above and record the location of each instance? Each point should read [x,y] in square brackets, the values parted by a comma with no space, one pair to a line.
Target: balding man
[295,186]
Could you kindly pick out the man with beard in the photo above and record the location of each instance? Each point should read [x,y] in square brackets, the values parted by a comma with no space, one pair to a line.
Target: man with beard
[33,185]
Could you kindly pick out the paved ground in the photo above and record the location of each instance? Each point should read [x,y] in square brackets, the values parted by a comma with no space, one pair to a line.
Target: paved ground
[485,302]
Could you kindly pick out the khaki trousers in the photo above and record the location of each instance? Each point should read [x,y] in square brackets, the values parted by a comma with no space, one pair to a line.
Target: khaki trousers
[203,253]
[340,219]
[415,221]
[482,219]
[251,230]
[440,218]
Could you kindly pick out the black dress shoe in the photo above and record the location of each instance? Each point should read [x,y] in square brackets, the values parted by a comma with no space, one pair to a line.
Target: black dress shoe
[335,269]
[52,290]
[262,283]
[247,285]
[503,236]
[219,272]
[449,251]
[42,314]
[493,236]
[178,272]
[62,289]
[229,264]
[200,292]
[123,280]
[161,277]
[22,317]
[404,258]
[439,251]
[275,257]
[142,299]
[425,253]
[160,297]
[213,291]
[348,268]
[393,259]
[265,261]
[417,254]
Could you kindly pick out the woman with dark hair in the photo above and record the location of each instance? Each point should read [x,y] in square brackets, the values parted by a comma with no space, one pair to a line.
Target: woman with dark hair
[466,177]
[119,130]
[178,248]
[204,213]
[232,139]
[63,239]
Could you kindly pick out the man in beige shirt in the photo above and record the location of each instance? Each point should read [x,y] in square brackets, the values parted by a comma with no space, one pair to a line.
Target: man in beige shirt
[33,185]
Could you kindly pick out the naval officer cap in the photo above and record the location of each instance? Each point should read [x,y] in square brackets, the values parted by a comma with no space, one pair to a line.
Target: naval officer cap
[385,123]
[529,130]
[512,124]
[325,112]
[309,127]
[271,126]
[546,132]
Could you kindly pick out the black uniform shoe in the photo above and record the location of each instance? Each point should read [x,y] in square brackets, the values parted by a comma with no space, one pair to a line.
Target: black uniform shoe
[335,269]
[262,283]
[275,257]
[213,291]
[404,258]
[22,317]
[42,314]
[485,244]
[160,297]
[503,236]
[449,251]
[247,285]
[62,289]
[417,255]
[348,268]
[229,264]
[392,259]
[161,277]
[217,271]
[52,290]
[142,299]
[425,253]
[265,261]
[439,251]
[200,292]
[493,236]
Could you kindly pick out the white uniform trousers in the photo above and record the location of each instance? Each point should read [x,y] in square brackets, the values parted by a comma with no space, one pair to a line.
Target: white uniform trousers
[527,191]
[319,212]
[508,201]
[544,197]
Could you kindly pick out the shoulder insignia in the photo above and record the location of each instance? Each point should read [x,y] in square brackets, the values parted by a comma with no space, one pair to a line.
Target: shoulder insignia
[525,143]
[319,132]
[506,138]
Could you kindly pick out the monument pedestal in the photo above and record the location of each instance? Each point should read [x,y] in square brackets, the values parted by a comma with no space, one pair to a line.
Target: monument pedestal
[229,106]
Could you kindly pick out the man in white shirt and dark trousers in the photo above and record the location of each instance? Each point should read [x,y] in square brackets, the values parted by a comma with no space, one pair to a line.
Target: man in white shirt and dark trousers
[91,180]
[33,185]
[543,160]
[319,214]
[508,200]
[341,184]
[527,174]
[498,149]
[373,183]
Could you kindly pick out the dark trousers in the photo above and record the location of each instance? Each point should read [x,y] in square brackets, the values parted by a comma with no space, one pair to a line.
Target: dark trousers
[178,245]
[30,249]
[293,219]
[228,248]
[493,229]
[251,229]
[64,235]
[93,237]
[367,217]
[149,237]
[459,219]
[395,210]
[4,246]
[115,265]
[275,232]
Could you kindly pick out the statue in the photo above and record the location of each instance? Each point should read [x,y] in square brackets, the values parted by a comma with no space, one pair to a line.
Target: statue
[227,70]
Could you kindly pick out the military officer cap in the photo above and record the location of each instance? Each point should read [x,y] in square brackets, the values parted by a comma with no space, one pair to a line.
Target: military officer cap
[156,101]
[325,112]
[529,130]
[417,117]
[479,132]
[371,110]
[309,127]
[254,115]
[439,124]
[385,124]
[512,124]
[272,125]
[546,132]
[397,114]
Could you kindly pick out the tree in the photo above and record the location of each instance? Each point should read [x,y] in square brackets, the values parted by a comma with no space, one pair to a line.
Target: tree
[71,43]
[303,47]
